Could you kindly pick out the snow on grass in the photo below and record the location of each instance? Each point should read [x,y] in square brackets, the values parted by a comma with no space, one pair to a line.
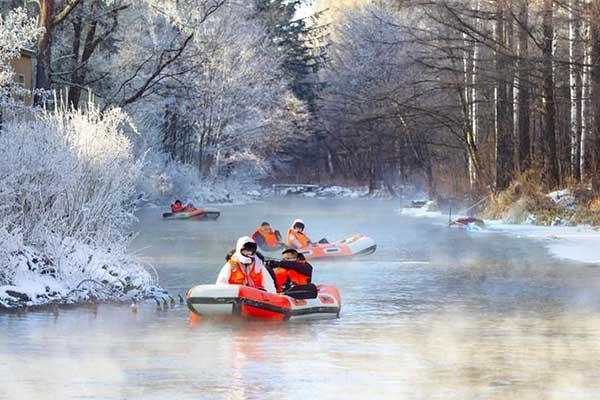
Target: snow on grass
[580,243]
[429,210]
[342,192]
[163,181]
[69,272]
[577,243]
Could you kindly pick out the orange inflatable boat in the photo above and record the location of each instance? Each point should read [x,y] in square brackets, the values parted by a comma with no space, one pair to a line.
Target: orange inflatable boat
[198,213]
[247,302]
[354,246]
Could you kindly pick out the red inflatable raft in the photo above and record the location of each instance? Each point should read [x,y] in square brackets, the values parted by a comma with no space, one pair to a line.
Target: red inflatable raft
[354,246]
[247,302]
[198,213]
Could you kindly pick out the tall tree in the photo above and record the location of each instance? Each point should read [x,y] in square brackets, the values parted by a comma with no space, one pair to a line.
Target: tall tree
[93,24]
[524,87]
[551,171]
[504,139]
[575,86]
[595,90]
[50,17]
[299,40]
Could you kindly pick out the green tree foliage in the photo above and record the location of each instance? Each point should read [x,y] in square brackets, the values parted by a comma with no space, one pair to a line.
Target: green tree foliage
[299,40]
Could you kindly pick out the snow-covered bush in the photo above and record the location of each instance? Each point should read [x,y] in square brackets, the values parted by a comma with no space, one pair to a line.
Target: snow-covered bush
[163,180]
[70,173]
[68,271]
[67,184]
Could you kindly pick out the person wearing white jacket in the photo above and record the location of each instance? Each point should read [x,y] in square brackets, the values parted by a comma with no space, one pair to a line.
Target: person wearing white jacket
[246,268]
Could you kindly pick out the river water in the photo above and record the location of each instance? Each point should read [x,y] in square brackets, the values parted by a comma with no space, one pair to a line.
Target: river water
[433,314]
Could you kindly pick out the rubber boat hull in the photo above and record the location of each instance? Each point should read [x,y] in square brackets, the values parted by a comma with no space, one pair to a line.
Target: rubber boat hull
[204,214]
[354,246]
[469,224]
[247,302]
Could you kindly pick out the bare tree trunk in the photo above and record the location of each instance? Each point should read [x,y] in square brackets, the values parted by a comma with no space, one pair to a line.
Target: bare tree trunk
[585,104]
[44,46]
[549,135]
[595,91]
[475,110]
[575,88]
[524,88]
[467,107]
[504,143]
[48,19]
[510,84]
[471,96]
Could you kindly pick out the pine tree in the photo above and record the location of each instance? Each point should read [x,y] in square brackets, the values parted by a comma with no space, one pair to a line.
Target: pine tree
[298,40]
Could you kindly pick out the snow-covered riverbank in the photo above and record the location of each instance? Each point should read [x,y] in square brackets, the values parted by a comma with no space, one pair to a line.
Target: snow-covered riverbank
[579,243]
[67,184]
[74,274]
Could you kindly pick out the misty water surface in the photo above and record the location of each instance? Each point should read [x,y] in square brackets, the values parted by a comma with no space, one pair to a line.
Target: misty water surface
[433,314]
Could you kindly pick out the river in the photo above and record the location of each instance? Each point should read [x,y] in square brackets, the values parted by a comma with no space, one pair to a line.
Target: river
[434,313]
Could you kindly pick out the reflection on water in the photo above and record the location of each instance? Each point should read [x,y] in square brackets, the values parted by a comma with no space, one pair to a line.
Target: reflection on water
[433,314]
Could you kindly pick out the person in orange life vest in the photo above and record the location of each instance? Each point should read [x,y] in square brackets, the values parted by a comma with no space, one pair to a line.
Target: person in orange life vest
[246,268]
[296,238]
[267,238]
[292,270]
[176,207]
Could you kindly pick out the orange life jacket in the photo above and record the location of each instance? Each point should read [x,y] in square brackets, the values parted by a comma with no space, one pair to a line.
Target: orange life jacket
[300,237]
[239,277]
[282,276]
[269,238]
[175,208]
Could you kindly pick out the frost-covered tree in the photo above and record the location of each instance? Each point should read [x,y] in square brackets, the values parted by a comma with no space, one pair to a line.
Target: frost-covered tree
[17,31]
[217,105]
[300,42]
[67,188]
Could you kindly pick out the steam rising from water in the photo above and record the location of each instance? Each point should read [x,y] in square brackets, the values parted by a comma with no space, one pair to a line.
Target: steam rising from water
[433,314]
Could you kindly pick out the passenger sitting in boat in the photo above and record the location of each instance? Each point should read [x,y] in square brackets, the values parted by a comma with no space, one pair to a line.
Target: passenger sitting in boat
[189,205]
[245,268]
[292,270]
[267,238]
[296,238]
[176,207]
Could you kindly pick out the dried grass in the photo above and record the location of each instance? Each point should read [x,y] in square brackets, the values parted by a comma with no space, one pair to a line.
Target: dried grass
[526,196]
[523,197]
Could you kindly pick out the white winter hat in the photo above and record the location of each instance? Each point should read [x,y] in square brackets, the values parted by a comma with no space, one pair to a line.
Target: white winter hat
[241,243]
[297,221]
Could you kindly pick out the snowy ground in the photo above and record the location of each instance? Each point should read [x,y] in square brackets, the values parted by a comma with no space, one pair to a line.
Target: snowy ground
[333,191]
[580,243]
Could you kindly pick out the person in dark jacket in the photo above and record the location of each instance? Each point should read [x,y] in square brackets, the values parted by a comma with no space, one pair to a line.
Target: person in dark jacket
[292,270]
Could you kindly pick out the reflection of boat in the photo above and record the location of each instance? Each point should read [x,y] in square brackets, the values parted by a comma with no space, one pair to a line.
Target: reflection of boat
[354,246]
[198,213]
[247,302]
